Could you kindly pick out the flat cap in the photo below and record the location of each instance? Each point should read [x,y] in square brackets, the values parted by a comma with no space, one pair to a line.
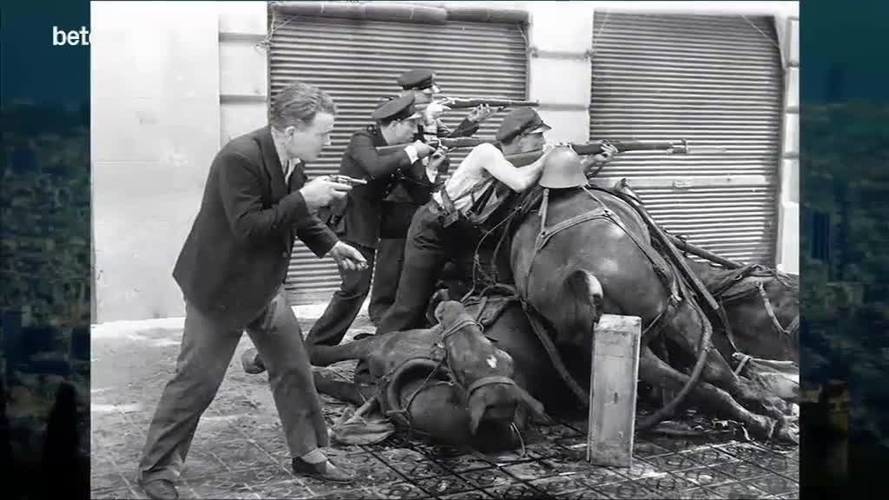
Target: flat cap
[399,108]
[521,121]
[419,79]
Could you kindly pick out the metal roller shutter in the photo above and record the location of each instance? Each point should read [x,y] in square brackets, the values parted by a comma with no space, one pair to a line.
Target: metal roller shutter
[358,62]
[715,81]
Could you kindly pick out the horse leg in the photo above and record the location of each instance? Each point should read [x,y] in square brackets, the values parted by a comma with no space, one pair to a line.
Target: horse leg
[685,329]
[323,355]
[349,392]
[656,372]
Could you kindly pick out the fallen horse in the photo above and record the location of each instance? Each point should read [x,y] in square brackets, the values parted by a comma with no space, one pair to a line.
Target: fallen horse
[448,382]
[585,252]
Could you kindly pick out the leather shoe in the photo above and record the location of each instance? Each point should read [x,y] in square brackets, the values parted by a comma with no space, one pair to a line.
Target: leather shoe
[160,489]
[251,362]
[324,471]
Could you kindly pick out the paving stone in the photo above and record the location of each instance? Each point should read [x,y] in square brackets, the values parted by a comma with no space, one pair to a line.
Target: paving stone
[738,490]
[594,476]
[444,484]
[487,478]
[710,455]
[202,463]
[704,476]
[637,469]
[559,431]
[110,481]
[665,485]
[242,454]
[740,470]
[112,494]
[644,449]
[101,464]
[290,488]
[467,495]
[415,468]
[698,493]
[125,457]
[463,463]
[223,485]
[673,462]
[368,469]
[514,490]
[402,490]
[775,485]
[356,494]
[558,485]
[626,489]
[528,471]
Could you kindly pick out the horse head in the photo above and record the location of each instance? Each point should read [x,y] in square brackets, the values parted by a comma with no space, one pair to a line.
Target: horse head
[762,308]
[483,370]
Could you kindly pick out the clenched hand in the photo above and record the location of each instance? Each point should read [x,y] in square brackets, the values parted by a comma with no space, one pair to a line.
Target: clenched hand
[347,258]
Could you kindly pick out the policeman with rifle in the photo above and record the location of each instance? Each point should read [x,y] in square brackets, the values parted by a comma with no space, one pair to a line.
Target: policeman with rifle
[448,226]
[405,196]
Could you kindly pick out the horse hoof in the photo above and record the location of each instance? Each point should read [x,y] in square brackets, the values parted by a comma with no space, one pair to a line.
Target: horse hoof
[787,431]
[251,362]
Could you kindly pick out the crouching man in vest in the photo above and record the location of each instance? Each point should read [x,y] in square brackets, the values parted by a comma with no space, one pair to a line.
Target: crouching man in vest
[447,227]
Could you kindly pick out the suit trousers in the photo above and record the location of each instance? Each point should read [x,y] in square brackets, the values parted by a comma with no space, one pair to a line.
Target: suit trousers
[345,304]
[390,260]
[429,247]
[205,354]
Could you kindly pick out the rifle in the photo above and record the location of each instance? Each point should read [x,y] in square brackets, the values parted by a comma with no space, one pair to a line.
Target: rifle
[590,148]
[457,103]
[596,147]
[450,143]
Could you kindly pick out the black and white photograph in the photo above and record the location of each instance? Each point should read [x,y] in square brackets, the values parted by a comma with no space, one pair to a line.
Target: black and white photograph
[445,250]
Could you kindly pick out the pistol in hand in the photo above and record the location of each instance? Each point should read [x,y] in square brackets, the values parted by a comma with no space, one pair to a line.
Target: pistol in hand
[345,179]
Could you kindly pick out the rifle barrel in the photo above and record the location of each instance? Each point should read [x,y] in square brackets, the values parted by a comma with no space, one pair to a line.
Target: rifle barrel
[456,103]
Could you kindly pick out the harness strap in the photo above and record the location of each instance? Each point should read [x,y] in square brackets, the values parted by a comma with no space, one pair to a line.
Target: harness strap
[496,379]
[603,212]
[554,357]
[768,305]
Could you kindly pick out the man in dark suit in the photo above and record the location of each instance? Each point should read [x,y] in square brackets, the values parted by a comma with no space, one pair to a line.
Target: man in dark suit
[231,270]
[401,202]
[359,220]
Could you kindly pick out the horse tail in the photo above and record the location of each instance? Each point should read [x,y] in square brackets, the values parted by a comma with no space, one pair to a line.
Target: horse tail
[580,307]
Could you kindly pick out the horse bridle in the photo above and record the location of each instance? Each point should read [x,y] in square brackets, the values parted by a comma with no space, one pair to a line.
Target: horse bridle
[403,414]
[792,328]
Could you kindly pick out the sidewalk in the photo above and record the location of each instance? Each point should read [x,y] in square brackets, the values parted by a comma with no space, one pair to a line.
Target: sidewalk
[239,452]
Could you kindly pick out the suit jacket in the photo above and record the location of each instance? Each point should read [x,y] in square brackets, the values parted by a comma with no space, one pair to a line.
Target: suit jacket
[415,190]
[362,216]
[236,256]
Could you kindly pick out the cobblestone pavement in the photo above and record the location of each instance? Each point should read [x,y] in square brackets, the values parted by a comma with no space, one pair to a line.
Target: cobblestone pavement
[239,451]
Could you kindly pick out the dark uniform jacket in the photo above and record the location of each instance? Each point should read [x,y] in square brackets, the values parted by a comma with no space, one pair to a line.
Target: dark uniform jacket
[362,216]
[405,198]
[236,256]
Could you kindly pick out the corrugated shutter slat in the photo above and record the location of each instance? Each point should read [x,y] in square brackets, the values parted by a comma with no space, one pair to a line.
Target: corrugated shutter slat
[358,62]
[715,81]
